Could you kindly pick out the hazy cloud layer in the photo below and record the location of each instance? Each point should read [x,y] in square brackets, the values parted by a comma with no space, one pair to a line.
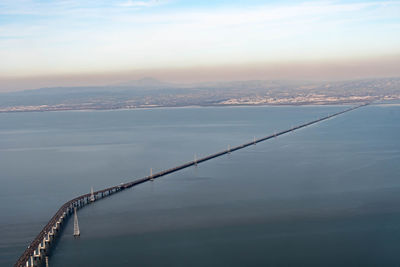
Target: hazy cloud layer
[333,70]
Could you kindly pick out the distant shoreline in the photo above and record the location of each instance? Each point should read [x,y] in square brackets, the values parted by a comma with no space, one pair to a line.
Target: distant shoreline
[186,106]
[155,94]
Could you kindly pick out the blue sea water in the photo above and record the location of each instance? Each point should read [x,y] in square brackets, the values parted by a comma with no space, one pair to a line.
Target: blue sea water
[326,195]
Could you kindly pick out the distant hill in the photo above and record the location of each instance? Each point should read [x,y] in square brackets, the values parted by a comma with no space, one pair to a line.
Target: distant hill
[149,92]
[146,82]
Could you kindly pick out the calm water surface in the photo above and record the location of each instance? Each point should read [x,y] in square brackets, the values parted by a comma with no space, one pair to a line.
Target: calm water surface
[325,195]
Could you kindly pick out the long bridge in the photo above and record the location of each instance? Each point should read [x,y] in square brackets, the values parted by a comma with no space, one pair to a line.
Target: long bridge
[36,252]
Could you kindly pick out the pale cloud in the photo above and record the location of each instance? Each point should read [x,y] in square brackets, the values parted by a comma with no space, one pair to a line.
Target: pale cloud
[103,38]
[133,3]
[264,13]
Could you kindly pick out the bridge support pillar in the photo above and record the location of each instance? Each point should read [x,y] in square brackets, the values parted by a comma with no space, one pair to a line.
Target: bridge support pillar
[42,247]
[47,240]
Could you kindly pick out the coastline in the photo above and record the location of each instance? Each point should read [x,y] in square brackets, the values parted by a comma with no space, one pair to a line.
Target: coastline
[51,109]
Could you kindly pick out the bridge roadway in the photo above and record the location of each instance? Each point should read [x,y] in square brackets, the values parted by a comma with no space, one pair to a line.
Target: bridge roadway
[36,251]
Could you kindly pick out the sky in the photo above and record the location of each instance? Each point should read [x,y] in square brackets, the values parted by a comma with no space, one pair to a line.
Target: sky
[81,42]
